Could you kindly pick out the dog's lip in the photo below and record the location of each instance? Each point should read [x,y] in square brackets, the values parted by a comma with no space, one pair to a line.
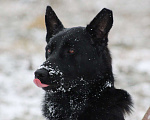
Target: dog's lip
[39,84]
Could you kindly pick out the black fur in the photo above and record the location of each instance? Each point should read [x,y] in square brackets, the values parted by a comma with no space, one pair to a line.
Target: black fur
[78,71]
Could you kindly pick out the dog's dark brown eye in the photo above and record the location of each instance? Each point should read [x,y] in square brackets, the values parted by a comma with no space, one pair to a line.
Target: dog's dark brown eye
[49,51]
[71,51]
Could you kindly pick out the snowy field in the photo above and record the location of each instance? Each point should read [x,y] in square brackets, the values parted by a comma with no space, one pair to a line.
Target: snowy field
[22,41]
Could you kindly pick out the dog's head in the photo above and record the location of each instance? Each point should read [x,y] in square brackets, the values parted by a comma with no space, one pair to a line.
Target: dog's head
[75,56]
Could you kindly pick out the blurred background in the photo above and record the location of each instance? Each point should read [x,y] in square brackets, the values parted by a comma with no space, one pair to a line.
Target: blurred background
[22,44]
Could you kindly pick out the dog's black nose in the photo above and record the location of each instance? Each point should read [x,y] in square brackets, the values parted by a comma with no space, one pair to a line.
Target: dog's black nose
[41,73]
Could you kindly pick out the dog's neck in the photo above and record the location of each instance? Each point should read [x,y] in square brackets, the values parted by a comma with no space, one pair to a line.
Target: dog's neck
[69,103]
[64,106]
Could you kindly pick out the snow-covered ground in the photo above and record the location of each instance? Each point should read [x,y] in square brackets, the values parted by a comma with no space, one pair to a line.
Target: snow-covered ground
[22,41]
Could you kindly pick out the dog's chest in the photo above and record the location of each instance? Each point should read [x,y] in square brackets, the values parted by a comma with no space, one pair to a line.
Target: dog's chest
[62,107]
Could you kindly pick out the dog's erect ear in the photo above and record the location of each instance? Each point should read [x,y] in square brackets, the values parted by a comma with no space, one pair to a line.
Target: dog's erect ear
[53,24]
[101,24]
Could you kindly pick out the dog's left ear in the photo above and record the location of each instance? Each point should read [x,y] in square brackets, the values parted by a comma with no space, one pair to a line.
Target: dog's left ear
[53,24]
[100,25]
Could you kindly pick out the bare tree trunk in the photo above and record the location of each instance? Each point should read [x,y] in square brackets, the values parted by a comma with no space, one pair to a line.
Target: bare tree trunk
[147,115]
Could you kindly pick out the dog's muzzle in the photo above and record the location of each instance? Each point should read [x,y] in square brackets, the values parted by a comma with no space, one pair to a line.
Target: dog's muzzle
[43,73]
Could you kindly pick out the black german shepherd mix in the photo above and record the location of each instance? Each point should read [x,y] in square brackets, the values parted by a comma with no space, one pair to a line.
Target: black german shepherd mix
[77,74]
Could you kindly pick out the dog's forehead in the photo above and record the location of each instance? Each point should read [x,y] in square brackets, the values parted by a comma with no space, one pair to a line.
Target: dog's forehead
[76,34]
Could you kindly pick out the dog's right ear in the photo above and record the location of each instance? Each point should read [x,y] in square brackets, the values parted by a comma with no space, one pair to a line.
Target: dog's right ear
[53,24]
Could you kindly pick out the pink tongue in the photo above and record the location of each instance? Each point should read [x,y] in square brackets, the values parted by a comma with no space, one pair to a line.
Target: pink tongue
[39,84]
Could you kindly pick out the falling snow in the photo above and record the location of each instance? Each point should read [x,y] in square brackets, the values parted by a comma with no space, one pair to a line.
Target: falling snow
[22,50]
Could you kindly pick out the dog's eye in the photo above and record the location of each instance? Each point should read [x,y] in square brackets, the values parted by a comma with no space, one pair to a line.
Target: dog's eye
[71,51]
[49,51]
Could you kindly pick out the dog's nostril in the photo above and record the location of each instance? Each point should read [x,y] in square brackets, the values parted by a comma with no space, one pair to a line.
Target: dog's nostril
[39,74]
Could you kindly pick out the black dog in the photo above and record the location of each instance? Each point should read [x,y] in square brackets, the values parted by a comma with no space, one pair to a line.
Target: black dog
[77,74]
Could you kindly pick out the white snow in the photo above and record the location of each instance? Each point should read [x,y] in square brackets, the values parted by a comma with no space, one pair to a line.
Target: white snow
[148,117]
[51,70]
